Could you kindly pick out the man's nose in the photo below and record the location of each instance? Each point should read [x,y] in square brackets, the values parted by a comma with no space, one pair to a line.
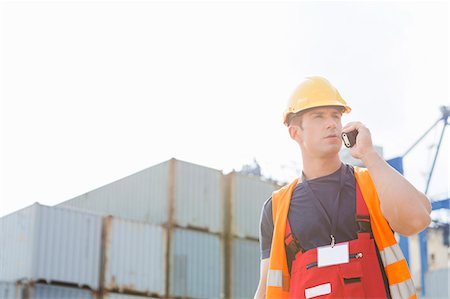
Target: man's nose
[331,122]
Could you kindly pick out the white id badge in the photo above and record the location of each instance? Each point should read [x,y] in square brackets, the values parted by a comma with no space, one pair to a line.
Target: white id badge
[327,255]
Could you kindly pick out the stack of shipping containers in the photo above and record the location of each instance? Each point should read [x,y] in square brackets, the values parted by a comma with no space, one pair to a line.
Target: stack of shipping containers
[184,203]
[174,230]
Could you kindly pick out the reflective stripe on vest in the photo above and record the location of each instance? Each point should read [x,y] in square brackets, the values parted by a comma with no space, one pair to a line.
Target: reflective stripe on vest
[393,259]
[403,289]
[391,254]
[275,278]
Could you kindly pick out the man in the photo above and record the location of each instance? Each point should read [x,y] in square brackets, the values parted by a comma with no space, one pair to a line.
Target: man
[329,234]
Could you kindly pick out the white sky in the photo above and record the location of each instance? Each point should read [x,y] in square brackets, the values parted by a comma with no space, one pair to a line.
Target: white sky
[93,91]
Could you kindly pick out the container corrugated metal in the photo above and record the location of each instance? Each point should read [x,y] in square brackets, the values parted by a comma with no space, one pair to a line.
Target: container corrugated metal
[52,244]
[198,197]
[196,265]
[141,196]
[437,283]
[11,290]
[134,255]
[17,238]
[124,296]
[248,194]
[146,196]
[245,268]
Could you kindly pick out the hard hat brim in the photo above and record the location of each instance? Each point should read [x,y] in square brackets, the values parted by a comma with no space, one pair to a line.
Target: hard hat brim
[346,109]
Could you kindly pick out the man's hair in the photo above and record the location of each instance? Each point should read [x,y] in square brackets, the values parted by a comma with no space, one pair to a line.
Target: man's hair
[295,119]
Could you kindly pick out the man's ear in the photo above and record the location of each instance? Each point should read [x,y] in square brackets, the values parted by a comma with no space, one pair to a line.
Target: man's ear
[294,132]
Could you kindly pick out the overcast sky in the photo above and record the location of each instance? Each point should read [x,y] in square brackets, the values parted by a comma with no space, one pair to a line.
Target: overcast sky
[93,91]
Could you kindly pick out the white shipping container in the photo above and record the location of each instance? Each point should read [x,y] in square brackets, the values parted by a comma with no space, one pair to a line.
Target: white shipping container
[245,268]
[133,257]
[179,192]
[248,194]
[196,265]
[198,197]
[51,244]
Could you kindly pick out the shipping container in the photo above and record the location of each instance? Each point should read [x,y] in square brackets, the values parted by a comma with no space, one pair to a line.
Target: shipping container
[437,284]
[196,264]
[174,191]
[11,290]
[248,194]
[50,244]
[198,197]
[133,257]
[245,261]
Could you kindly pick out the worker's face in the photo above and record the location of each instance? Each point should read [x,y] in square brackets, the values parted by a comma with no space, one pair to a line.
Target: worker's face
[319,131]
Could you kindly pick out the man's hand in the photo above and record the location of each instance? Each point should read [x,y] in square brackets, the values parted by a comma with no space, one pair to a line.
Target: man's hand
[363,145]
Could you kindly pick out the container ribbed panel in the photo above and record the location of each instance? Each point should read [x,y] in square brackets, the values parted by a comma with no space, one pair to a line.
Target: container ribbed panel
[196,265]
[17,243]
[245,268]
[51,244]
[68,249]
[198,197]
[134,256]
[248,196]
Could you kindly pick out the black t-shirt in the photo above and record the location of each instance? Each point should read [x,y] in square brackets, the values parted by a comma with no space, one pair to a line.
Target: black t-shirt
[309,224]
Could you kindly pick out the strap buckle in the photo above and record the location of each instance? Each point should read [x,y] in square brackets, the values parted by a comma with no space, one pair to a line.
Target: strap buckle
[292,244]
[364,225]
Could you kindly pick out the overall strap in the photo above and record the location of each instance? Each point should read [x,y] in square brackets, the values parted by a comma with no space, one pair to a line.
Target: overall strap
[292,243]
[362,213]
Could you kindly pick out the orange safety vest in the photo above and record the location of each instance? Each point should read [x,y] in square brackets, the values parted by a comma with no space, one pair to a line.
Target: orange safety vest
[397,272]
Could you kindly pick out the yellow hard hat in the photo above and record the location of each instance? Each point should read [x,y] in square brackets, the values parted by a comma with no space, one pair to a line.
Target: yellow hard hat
[314,92]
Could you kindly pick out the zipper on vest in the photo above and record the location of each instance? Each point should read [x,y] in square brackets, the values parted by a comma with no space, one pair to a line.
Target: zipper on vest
[355,255]
[351,256]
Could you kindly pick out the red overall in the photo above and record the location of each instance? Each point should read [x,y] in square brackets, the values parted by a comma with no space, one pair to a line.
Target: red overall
[361,277]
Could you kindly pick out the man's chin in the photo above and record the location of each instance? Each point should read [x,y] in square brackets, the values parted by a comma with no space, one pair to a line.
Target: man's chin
[332,151]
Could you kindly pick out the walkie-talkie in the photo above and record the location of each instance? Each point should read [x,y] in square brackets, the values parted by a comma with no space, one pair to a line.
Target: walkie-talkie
[349,138]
